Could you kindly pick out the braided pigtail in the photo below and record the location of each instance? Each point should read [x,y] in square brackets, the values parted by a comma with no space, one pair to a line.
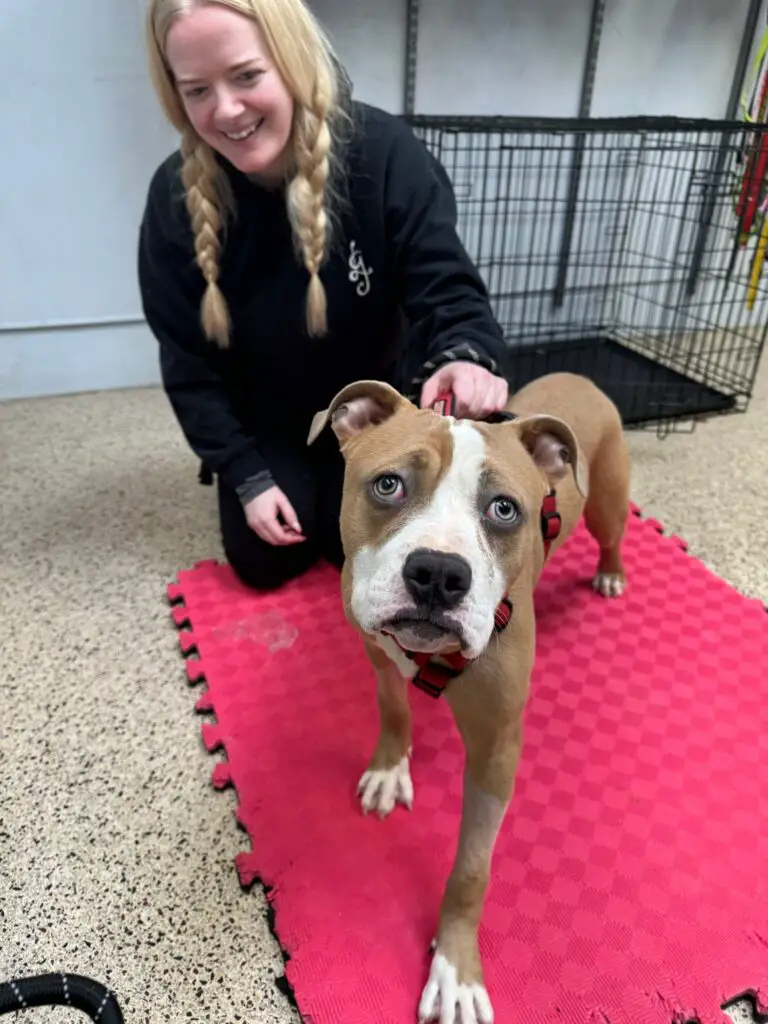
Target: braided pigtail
[306,206]
[202,182]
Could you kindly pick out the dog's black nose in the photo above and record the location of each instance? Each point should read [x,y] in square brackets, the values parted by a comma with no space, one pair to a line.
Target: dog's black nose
[436,578]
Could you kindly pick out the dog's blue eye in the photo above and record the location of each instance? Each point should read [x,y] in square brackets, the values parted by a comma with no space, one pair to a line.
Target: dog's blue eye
[389,487]
[503,510]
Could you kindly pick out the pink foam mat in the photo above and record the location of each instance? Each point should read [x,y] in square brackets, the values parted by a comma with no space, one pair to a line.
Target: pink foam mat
[629,879]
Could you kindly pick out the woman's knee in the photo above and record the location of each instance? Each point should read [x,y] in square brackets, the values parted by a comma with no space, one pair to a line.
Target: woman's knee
[257,563]
[263,566]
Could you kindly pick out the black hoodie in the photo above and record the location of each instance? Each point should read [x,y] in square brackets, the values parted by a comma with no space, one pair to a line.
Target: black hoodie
[403,297]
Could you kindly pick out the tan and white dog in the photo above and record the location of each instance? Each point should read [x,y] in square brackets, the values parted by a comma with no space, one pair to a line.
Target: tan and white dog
[446,525]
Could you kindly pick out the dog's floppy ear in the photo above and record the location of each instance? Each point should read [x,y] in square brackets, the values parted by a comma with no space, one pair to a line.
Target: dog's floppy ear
[365,403]
[553,447]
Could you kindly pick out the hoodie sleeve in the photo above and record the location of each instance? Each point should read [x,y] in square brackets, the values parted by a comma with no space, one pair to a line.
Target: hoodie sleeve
[442,293]
[171,288]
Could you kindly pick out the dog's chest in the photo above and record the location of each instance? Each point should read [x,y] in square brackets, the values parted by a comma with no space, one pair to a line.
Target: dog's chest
[405,665]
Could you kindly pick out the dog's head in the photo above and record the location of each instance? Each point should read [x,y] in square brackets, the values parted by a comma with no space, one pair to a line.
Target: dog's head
[438,515]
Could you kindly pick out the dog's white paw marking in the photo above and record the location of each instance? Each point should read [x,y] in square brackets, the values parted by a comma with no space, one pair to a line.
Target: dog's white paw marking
[381,789]
[609,584]
[448,1002]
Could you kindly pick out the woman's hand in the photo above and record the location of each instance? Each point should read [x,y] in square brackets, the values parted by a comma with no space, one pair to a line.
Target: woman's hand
[262,513]
[477,391]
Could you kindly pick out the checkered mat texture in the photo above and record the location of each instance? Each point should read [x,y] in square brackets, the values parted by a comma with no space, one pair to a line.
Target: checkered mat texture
[629,882]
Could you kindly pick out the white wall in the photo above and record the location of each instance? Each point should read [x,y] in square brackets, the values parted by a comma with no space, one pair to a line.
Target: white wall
[520,58]
[83,134]
[510,58]
[668,57]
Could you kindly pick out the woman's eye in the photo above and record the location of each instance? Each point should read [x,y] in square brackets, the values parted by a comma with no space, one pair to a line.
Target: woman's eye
[389,487]
[194,93]
[249,76]
[503,510]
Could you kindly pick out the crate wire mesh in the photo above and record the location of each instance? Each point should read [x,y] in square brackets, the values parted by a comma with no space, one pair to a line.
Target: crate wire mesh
[611,248]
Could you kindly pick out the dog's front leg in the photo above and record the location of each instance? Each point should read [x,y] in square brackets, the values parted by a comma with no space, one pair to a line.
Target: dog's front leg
[387,780]
[455,992]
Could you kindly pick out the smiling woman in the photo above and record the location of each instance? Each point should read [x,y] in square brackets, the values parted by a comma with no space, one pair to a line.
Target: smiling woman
[232,93]
[299,239]
[220,84]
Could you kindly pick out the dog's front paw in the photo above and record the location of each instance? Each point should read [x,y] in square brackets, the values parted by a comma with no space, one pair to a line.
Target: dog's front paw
[450,999]
[609,584]
[381,788]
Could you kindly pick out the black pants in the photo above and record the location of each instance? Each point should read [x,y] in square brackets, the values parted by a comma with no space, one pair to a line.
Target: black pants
[311,478]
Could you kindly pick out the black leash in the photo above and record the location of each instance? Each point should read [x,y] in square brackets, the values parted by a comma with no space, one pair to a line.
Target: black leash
[71,990]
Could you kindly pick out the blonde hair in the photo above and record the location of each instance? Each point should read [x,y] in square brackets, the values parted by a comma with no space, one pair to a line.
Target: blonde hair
[305,60]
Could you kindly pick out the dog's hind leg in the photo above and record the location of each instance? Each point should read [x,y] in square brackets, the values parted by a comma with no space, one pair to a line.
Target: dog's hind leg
[387,779]
[606,512]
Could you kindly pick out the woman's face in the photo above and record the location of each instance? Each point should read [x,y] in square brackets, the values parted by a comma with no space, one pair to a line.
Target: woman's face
[231,91]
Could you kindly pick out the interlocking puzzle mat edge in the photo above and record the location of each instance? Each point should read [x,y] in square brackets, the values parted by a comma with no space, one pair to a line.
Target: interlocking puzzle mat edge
[247,861]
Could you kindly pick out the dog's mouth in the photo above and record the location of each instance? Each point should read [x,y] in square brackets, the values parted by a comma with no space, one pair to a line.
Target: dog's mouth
[432,633]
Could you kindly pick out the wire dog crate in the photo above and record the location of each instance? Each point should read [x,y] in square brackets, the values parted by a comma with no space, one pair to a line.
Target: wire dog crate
[617,249]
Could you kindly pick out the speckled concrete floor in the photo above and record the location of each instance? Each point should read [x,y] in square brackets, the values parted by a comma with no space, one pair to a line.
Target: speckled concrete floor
[116,856]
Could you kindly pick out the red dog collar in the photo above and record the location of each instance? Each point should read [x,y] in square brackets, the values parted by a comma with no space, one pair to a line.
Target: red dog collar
[433,675]
[445,403]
